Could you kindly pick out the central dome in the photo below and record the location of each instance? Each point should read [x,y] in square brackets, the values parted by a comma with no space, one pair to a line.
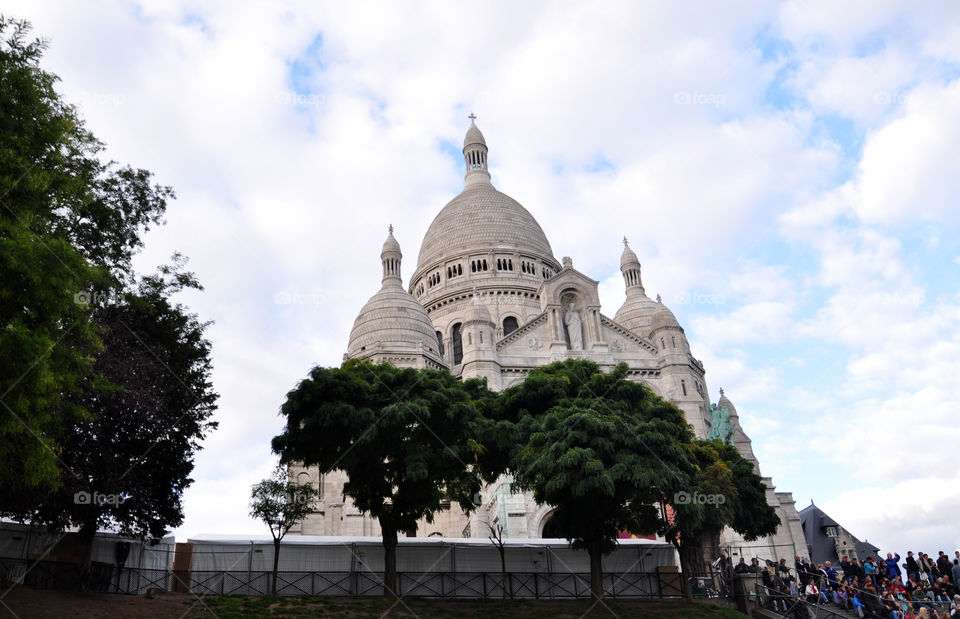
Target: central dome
[482,218]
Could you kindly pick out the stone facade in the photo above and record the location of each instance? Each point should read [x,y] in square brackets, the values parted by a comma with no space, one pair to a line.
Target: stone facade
[498,304]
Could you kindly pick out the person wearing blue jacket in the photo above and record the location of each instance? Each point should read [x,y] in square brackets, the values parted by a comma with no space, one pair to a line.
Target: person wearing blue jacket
[893,567]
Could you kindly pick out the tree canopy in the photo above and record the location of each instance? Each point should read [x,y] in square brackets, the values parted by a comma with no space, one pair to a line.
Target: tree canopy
[149,401]
[404,437]
[69,226]
[598,447]
[105,389]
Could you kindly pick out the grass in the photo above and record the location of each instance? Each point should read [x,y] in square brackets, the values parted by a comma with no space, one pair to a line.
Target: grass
[424,608]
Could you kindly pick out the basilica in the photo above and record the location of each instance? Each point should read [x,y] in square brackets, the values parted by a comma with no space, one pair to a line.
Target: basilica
[489,299]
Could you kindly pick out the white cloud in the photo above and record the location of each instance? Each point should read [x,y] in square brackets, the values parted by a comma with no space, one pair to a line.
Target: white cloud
[862,88]
[908,169]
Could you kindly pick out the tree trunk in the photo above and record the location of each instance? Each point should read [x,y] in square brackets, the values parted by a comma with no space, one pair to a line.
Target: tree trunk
[503,571]
[690,559]
[276,563]
[596,571]
[389,561]
[85,537]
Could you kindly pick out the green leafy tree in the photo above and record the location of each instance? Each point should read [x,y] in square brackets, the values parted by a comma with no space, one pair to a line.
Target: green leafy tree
[69,226]
[149,400]
[725,490]
[597,447]
[280,504]
[404,437]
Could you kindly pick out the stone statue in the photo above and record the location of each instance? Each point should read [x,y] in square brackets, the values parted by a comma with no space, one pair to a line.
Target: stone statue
[572,320]
[720,426]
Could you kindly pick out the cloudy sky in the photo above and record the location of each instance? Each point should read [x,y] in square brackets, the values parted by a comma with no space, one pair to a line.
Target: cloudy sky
[788,173]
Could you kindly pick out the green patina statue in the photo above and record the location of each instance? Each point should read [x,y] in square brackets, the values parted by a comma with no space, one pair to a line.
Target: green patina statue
[720,426]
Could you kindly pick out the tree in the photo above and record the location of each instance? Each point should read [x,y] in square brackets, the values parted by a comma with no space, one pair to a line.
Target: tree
[150,399]
[280,504]
[69,226]
[599,448]
[496,538]
[724,491]
[404,438]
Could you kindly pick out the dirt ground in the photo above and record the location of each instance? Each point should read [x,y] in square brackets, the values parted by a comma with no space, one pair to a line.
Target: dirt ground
[23,602]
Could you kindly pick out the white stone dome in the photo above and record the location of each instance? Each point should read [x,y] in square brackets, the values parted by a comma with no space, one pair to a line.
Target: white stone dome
[664,318]
[473,136]
[482,218]
[637,313]
[392,321]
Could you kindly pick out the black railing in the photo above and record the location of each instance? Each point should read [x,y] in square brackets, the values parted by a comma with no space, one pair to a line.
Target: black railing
[480,585]
[486,585]
[67,576]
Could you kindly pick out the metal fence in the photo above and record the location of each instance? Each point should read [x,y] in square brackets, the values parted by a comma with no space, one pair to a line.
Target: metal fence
[481,585]
[428,584]
[66,576]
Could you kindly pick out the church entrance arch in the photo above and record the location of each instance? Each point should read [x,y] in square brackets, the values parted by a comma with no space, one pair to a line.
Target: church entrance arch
[548,526]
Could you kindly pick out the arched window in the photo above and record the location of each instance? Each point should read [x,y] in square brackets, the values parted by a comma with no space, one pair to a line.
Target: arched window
[440,343]
[481,337]
[663,345]
[459,270]
[484,264]
[457,344]
[683,386]
[470,339]
[673,341]
[510,325]
[510,265]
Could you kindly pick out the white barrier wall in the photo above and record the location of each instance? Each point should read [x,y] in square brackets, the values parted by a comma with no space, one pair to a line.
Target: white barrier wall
[420,554]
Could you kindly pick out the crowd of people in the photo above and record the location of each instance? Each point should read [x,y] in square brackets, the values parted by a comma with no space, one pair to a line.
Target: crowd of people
[876,588]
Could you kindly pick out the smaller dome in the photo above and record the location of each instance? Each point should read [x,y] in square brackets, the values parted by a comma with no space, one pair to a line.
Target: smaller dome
[663,318]
[473,136]
[478,312]
[628,256]
[390,245]
[392,321]
[637,313]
